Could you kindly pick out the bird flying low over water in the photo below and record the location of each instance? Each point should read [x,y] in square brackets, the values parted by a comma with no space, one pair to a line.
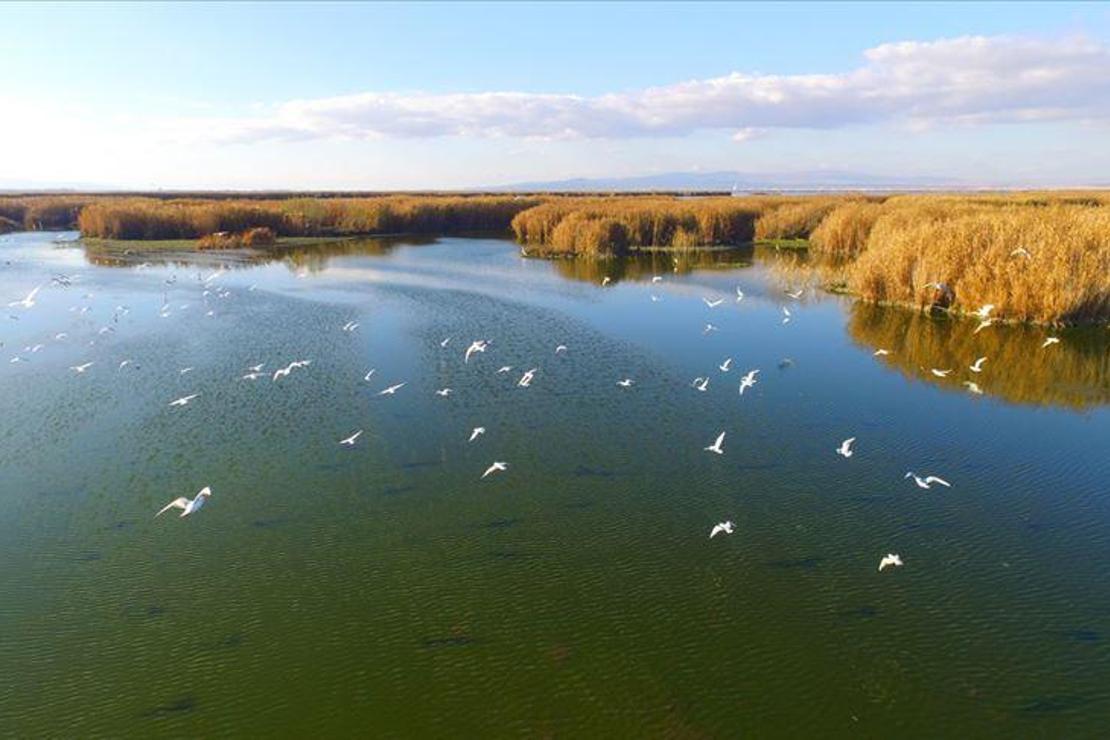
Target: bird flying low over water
[504,369]
[560,348]
[187,506]
[701,384]
[350,326]
[184,400]
[444,392]
[796,295]
[257,368]
[973,388]
[739,294]
[890,559]
[82,368]
[722,528]
[786,315]
[984,311]
[283,372]
[477,432]
[369,374]
[724,366]
[28,301]
[478,345]
[526,379]
[845,448]
[250,376]
[880,352]
[713,304]
[983,325]
[977,367]
[350,441]
[1050,341]
[391,390]
[496,467]
[708,328]
[445,342]
[940,373]
[605,281]
[626,383]
[656,278]
[716,446]
[1021,252]
[748,381]
[927,481]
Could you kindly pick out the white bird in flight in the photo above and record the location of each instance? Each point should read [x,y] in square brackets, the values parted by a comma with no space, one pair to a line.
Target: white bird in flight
[526,379]
[626,383]
[880,352]
[445,342]
[724,366]
[560,348]
[984,311]
[708,328]
[656,278]
[444,392]
[927,481]
[713,304]
[891,559]
[722,528]
[973,388]
[478,345]
[701,384]
[605,281]
[940,373]
[796,295]
[497,466]
[477,432]
[504,369]
[1050,341]
[350,326]
[81,368]
[786,315]
[977,367]
[716,446]
[250,376]
[845,448]
[983,325]
[184,400]
[739,294]
[257,368]
[748,381]
[369,375]
[350,441]
[1020,252]
[28,301]
[187,506]
[391,390]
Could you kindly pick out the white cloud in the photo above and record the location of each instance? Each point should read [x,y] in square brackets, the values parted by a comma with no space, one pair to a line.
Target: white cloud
[969,80]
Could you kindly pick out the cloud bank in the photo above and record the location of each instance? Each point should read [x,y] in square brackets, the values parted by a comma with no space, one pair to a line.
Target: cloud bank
[966,80]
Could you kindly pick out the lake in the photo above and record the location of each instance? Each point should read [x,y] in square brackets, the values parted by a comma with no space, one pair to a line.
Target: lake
[386,588]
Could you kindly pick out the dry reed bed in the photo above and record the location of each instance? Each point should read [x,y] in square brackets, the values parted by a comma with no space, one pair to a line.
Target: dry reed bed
[148,218]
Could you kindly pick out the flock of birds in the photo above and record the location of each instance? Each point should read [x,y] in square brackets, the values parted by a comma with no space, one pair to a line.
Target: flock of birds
[476,347]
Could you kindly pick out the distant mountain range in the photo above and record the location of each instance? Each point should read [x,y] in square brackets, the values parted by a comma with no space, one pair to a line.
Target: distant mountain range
[740,182]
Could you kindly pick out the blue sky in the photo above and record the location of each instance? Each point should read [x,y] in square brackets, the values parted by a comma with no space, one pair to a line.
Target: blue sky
[353,95]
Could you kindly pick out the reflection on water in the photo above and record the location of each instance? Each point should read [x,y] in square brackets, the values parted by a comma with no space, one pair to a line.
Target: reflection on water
[1074,373]
[643,266]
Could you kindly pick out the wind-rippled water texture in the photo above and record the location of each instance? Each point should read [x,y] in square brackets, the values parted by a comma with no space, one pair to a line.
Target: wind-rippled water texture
[387,589]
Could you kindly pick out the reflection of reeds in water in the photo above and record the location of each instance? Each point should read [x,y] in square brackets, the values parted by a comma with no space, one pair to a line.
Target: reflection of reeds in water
[644,265]
[1074,373]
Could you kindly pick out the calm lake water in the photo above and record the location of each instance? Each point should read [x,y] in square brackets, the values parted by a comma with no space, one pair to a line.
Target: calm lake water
[386,589]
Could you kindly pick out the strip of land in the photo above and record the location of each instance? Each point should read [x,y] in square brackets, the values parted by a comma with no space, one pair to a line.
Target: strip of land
[1034,256]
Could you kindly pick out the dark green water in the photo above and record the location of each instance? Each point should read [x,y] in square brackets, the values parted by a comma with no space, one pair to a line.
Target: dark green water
[386,590]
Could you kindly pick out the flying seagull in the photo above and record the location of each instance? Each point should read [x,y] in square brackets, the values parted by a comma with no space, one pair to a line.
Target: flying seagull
[983,325]
[796,295]
[984,311]
[880,352]
[748,381]
[713,304]
[845,448]
[187,507]
[724,366]
[722,528]
[350,441]
[497,466]
[927,481]
[560,348]
[940,373]
[1021,252]
[716,446]
[978,366]
[1050,341]
[526,379]
[28,301]
[739,294]
[184,400]
[708,328]
[701,384]
[81,368]
[478,432]
[445,342]
[626,383]
[444,392]
[391,390]
[973,388]
[478,345]
[891,559]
